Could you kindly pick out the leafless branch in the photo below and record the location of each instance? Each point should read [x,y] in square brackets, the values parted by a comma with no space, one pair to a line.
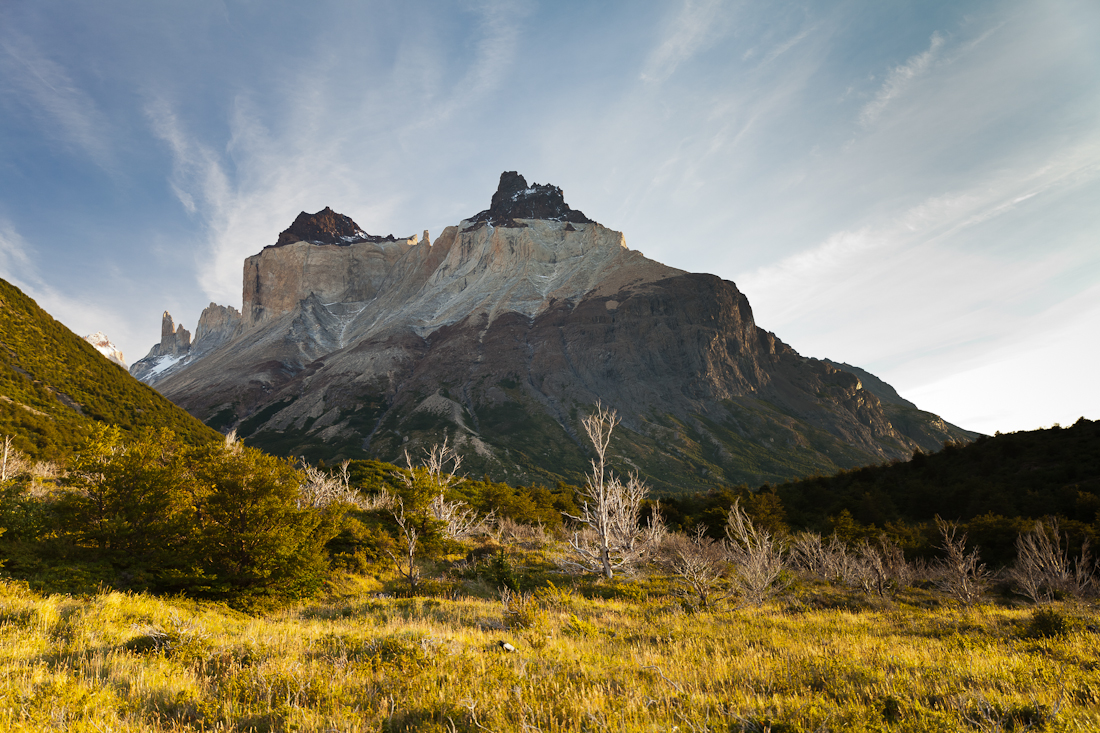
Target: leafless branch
[757,557]
[611,537]
[961,574]
[1044,568]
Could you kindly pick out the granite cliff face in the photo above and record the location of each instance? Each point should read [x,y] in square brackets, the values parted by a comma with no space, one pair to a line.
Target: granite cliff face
[502,334]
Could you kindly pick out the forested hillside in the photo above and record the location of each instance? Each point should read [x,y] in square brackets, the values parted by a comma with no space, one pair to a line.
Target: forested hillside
[54,387]
[996,487]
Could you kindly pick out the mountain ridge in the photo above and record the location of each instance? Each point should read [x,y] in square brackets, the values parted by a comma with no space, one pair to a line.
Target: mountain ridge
[502,333]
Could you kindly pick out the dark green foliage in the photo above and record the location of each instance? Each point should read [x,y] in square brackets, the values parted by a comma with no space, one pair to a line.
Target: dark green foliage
[1028,474]
[254,543]
[360,541]
[499,572]
[710,509]
[214,521]
[54,387]
[371,477]
[1046,623]
[996,487]
[525,504]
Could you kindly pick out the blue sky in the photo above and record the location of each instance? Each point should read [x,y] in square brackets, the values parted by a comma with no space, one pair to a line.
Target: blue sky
[912,187]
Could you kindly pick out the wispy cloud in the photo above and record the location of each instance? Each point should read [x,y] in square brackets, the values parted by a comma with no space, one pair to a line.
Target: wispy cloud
[57,102]
[785,46]
[497,32]
[899,80]
[196,169]
[331,140]
[17,266]
[829,296]
[696,26]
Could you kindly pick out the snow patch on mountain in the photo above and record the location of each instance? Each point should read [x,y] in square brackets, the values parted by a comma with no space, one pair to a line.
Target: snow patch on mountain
[104,346]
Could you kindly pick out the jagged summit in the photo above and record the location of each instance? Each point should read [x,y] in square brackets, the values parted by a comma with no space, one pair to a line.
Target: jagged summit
[514,199]
[104,346]
[500,334]
[326,227]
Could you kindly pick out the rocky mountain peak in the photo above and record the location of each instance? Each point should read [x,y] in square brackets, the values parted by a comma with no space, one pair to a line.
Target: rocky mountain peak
[174,340]
[326,227]
[104,346]
[514,199]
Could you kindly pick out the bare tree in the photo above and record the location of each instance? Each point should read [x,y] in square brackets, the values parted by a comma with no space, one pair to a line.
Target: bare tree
[437,475]
[435,467]
[319,489]
[612,537]
[757,557]
[883,568]
[961,574]
[7,449]
[405,562]
[460,521]
[1043,567]
[700,564]
[811,555]
[14,462]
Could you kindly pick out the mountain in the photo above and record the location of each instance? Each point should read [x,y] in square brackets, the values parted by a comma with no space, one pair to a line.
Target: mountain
[104,346]
[54,386]
[502,334]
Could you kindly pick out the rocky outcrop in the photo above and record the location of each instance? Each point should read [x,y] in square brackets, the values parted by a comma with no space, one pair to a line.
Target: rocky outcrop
[217,325]
[278,278]
[502,334]
[174,340]
[174,348]
[886,394]
[104,346]
[326,227]
[515,200]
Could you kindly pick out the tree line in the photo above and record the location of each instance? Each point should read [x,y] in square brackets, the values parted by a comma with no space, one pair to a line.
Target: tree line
[227,522]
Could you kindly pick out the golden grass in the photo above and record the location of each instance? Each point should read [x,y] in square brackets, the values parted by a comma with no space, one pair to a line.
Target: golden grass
[359,662]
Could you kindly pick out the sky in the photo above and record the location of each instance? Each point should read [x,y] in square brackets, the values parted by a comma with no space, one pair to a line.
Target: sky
[909,187]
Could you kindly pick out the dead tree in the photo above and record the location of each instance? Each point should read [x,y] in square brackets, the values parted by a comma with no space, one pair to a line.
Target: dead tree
[883,566]
[1044,568]
[612,536]
[961,573]
[4,467]
[701,566]
[318,489]
[408,539]
[757,557]
[437,475]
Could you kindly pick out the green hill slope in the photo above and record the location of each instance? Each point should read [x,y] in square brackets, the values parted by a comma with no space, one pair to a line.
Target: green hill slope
[1026,474]
[54,386]
[995,487]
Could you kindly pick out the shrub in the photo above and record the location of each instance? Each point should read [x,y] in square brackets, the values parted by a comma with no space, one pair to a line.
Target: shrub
[700,566]
[1046,623]
[521,610]
[1044,569]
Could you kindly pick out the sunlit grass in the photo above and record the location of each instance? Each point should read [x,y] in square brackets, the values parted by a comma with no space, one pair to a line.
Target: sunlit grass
[361,662]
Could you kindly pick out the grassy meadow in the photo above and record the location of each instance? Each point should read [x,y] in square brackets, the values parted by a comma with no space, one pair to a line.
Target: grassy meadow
[620,655]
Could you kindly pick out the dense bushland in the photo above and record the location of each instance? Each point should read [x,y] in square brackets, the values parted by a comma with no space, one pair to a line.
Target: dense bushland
[995,488]
[219,521]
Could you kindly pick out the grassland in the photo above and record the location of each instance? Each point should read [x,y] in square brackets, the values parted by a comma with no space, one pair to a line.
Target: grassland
[619,656]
